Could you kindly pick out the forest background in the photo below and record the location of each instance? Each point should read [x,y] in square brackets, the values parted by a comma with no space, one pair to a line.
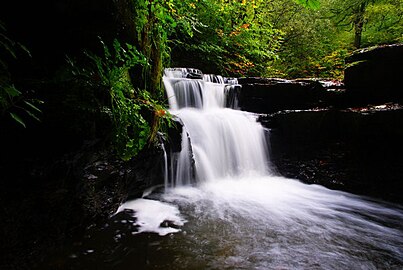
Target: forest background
[98,73]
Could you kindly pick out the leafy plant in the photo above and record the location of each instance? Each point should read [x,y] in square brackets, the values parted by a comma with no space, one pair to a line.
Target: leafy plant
[314,4]
[12,100]
[233,38]
[129,108]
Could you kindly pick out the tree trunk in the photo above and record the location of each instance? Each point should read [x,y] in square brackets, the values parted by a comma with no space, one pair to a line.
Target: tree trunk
[125,15]
[359,24]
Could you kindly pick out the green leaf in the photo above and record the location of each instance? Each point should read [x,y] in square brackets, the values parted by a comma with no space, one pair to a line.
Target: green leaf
[32,106]
[8,45]
[25,49]
[12,91]
[33,116]
[313,4]
[17,119]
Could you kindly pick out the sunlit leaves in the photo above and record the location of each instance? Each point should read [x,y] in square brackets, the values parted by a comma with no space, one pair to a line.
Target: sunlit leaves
[236,37]
[314,4]
[262,38]
[384,22]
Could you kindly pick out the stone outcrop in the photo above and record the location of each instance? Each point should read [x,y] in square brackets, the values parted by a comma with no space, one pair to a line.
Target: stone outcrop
[356,149]
[374,75]
[269,95]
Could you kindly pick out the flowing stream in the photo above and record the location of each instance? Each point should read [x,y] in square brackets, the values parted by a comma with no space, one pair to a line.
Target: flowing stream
[223,207]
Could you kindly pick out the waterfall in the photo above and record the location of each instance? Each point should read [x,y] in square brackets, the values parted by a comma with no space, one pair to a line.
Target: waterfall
[213,78]
[219,142]
[231,212]
[232,93]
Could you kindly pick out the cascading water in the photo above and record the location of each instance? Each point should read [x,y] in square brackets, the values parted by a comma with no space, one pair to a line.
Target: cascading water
[213,78]
[236,214]
[224,142]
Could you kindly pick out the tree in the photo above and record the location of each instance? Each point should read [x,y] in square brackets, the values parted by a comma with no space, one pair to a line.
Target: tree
[380,15]
[316,41]
[383,23]
[234,38]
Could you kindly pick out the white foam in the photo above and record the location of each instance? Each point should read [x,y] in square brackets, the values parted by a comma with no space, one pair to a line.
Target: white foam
[150,214]
[284,200]
[317,218]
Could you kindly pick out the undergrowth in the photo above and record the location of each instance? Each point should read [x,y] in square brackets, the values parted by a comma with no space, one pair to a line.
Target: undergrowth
[135,116]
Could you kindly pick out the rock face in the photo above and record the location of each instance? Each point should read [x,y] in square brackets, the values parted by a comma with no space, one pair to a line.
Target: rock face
[374,74]
[357,150]
[264,95]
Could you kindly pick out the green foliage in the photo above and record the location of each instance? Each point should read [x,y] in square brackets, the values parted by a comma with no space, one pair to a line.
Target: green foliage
[315,41]
[384,23]
[155,20]
[12,100]
[286,38]
[233,38]
[128,106]
[371,21]
[309,45]
[314,4]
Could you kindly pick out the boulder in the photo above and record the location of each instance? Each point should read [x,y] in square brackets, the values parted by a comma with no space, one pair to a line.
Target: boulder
[374,75]
[268,95]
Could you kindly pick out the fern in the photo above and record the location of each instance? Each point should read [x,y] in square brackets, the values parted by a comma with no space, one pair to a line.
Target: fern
[12,100]
[131,130]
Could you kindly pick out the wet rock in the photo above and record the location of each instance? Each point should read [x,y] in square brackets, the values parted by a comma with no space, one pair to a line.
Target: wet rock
[357,149]
[374,74]
[268,95]
[305,125]
[146,171]
[232,93]
[192,75]
[169,224]
[174,136]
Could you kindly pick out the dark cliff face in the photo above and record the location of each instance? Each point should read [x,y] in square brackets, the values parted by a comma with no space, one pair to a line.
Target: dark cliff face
[374,75]
[357,150]
[271,95]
